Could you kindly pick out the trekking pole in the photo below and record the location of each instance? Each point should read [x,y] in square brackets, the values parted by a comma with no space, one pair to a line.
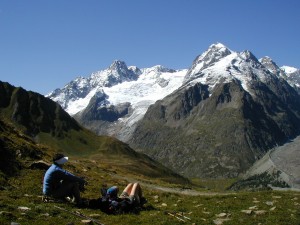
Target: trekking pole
[79,215]
[181,214]
[171,214]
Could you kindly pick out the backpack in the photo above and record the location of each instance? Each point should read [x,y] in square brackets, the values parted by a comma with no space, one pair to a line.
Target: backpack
[112,192]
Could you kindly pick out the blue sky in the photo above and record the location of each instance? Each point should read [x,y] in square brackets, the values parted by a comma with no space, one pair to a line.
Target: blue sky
[46,44]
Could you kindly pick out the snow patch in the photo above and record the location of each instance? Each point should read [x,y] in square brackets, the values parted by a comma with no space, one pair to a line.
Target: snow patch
[288,69]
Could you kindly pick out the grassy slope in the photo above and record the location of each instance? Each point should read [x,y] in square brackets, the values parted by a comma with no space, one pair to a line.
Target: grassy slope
[111,153]
[25,190]
[279,207]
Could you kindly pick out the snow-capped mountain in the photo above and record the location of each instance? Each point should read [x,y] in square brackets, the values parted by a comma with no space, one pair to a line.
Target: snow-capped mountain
[292,76]
[76,94]
[230,110]
[118,83]
[222,65]
[139,88]
[215,118]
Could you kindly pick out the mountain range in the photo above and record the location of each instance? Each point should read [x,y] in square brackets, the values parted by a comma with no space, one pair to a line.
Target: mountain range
[214,119]
[33,127]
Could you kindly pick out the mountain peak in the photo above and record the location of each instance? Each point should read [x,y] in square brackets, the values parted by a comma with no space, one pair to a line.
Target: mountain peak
[135,70]
[218,46]
[117,65]
[214,53]
[266,60]
[268,63]
[160,68]
[248,55]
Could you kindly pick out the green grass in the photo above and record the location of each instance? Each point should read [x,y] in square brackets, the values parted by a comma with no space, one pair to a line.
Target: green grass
[218,185]
[25,190]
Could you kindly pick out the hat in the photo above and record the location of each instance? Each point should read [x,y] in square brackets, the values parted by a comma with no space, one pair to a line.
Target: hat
[60,159]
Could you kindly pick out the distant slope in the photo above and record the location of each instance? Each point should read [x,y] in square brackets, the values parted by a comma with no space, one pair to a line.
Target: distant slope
[281,164]
[286,158]
[35,119]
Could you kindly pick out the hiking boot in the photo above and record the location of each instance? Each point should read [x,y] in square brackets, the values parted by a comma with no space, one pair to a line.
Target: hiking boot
[143,201]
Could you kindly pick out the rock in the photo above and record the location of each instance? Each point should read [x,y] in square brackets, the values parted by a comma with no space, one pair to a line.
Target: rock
[269,203]
[23,208]
[247,211]
[222,215]
[253,207]
[5,213]
[95,215]
[42,165]
[277,197]
[220,221]
[164,204]
[19,153]
[27,195]
[14,223]
[260,212]
[87,221]
[273,208]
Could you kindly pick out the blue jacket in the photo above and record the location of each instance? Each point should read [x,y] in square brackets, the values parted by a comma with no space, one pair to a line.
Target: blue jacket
[53,177]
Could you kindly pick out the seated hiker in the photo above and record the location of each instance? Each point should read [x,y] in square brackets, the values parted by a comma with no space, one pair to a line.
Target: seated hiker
[130,199]
[59,183]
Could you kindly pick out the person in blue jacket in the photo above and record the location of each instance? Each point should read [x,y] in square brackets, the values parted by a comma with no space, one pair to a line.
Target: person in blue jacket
[59,183]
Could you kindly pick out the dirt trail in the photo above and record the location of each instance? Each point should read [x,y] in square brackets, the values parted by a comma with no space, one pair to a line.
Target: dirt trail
[183,191]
